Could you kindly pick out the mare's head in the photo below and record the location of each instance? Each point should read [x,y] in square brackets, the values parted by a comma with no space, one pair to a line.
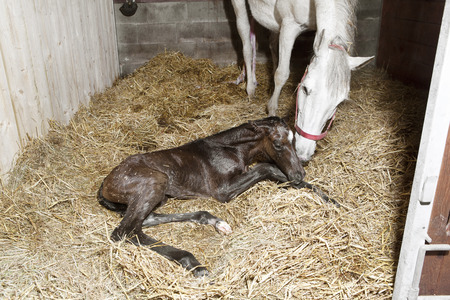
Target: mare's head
[324,86]
[277,144]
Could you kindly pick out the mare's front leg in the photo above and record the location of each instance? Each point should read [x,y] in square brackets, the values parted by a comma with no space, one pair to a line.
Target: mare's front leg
[243,26]
[289,31]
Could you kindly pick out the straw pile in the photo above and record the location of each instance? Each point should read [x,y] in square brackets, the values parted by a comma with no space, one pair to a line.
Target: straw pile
[286,243]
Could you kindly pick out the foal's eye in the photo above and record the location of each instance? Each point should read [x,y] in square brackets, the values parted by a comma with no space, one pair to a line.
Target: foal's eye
[277,145]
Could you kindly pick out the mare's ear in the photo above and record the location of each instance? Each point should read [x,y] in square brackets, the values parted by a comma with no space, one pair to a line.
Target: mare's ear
[359,62]
[318,41]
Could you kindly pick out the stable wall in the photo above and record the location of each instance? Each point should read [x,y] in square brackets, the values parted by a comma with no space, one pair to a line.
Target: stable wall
[53,56]
[207,29]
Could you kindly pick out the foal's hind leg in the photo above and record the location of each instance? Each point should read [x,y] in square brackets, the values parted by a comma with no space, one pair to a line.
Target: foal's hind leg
[147,191]
[199,217]
[186,259]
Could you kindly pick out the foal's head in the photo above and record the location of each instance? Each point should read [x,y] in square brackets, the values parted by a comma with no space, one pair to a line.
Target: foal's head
[278,145]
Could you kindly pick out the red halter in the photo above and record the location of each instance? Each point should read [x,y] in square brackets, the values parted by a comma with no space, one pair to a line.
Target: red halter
[314,137]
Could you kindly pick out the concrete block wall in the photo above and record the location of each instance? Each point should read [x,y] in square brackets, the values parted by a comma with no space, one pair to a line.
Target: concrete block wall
[368,27]
[207,29]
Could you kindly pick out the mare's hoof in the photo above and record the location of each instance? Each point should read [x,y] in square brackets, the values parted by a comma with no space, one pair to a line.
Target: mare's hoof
[200,272]
[223,227]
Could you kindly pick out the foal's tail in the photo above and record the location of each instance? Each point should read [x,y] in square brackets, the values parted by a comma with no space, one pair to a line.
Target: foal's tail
[117,207]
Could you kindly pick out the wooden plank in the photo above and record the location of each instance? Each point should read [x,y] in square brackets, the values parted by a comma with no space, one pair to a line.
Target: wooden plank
[410,74]
[436,270]
[18,65]
[413,31]
[421,11]
[8,127]
[409,34]
[54,54]
[409,61]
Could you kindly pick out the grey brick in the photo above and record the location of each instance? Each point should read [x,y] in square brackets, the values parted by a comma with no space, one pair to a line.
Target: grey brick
[137,52]
[216,51]
[187,48]
[366,47]
[207,11]
[163,13]
[127,33]
[157,33]
[205,31]
[192,32]
[368,29]
[372,5]
[129,68]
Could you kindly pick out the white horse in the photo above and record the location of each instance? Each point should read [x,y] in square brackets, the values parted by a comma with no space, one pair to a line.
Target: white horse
[326,82]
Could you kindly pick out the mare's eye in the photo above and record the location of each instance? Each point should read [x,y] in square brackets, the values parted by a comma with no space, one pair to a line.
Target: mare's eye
[306,91]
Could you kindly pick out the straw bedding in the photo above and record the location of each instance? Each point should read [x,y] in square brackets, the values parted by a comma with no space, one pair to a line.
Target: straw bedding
[286,243]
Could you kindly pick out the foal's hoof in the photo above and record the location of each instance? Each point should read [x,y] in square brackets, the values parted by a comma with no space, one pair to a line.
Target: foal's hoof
[334,202]
[223,227]
[200,272]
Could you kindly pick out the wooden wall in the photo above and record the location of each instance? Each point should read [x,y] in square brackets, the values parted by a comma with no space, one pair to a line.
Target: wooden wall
[408,39]
[53,55]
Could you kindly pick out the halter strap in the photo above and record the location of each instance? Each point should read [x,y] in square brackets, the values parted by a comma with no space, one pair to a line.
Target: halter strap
[336,46]
[314,137]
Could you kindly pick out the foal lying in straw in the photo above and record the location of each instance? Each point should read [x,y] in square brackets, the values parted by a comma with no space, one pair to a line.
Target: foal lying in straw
[221,166]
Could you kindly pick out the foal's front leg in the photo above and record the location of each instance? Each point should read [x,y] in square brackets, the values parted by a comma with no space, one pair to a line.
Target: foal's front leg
[239,184]
[318,191]
[263,171]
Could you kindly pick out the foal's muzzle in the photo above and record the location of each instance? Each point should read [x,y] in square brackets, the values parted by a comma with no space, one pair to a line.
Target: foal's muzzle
[297,177]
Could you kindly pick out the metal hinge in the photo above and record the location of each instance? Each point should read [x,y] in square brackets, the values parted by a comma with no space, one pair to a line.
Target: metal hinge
[426,193]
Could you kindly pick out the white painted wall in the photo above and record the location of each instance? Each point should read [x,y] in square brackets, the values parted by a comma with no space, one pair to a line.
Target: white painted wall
[434,135]
[54,54]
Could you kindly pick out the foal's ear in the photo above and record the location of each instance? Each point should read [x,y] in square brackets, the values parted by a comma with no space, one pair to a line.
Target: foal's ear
[259,128]
[255,127]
